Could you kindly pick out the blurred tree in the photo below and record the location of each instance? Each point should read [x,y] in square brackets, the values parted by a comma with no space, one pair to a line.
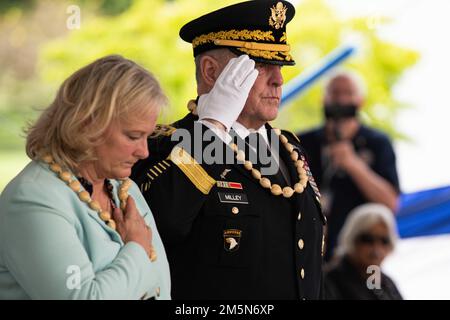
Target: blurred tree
[147,32]
[24,27]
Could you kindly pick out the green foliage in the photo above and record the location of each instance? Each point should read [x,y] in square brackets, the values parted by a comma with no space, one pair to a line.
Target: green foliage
[147,33]
[9,4]
[11,163]
[23,27]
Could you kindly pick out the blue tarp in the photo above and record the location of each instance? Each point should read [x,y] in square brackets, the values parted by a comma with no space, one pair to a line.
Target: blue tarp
[424,213]
[306,79]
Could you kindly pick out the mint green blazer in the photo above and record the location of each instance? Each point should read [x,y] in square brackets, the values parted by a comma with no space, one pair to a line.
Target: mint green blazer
[53,246]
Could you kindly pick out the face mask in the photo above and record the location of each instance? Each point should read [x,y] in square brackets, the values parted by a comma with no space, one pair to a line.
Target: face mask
[338,111]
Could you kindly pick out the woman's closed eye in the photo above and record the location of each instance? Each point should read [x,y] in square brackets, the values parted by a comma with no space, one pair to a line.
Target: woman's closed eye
[134,137]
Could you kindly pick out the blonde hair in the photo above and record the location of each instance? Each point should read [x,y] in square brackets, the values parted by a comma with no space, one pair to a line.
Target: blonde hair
[109,89]
[360,220]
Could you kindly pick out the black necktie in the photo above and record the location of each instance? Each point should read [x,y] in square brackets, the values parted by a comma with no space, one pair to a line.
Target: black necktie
[263,155]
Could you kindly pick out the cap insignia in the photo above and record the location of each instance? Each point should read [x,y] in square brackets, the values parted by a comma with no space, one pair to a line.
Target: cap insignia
[278,15]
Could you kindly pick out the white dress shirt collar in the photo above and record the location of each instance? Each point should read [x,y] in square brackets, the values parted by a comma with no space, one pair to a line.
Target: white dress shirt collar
[243,132]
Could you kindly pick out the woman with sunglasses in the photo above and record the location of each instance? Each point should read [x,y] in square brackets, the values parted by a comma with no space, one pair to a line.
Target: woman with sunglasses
[368,236]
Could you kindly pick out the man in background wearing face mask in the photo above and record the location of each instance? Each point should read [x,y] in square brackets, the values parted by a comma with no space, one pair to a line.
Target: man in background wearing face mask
[352,164]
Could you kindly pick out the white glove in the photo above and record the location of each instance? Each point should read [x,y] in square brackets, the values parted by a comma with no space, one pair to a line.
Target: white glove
[225,101]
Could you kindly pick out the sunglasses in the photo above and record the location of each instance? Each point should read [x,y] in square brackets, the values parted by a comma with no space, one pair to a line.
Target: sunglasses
[367,238]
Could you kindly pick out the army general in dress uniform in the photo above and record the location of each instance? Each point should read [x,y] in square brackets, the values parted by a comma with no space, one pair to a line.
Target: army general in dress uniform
[238,227]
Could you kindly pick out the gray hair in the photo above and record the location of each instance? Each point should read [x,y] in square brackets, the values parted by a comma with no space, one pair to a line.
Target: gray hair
[361,219]
[354,77]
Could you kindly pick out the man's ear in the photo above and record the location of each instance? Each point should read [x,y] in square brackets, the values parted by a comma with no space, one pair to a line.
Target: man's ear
[210,70]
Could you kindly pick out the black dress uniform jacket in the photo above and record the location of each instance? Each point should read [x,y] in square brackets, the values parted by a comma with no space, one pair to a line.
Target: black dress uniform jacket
[225,235]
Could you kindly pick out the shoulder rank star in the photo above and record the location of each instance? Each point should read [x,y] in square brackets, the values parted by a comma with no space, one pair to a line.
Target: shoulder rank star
[278,15]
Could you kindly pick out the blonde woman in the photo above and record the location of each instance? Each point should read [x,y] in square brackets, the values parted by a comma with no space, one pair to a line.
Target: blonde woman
[72,225]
